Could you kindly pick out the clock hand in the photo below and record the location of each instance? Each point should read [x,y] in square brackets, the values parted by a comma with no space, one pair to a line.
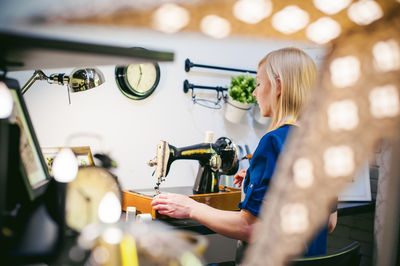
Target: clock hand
[87,203]
[140,77]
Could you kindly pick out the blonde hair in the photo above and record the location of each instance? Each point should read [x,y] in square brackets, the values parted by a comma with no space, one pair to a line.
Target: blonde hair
[296,72]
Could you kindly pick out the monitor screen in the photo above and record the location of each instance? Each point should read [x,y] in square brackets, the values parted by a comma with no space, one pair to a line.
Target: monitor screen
[33,168]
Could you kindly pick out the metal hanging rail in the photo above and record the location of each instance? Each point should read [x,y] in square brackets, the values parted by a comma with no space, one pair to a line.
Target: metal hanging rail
[190,86]
[189,65]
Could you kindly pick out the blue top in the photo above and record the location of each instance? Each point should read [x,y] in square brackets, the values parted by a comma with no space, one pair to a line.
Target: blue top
[259,174]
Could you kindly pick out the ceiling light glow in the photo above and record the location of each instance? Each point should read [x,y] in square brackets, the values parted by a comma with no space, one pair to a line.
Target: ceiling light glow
[364,12]
[330,7]
[290,19]
[252,11]
[170,18]
[323,30]
[215,26]
[345,71]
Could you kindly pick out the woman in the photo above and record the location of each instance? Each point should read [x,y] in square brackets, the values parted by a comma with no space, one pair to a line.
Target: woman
[285,78]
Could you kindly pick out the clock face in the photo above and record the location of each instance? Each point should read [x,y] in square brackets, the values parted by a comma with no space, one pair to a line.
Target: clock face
[137,81]
[85,193]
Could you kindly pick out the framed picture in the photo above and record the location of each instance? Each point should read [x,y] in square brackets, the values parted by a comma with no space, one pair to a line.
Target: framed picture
[83,154]
[33,168]
[359,189]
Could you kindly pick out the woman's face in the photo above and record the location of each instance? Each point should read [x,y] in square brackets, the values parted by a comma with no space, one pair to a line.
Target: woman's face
[263,93]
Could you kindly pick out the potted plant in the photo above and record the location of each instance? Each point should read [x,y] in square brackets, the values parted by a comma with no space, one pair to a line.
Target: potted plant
[240,97]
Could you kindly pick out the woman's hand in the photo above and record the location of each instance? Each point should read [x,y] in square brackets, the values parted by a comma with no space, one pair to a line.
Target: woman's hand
[174,205]
[239,177]
[332,222]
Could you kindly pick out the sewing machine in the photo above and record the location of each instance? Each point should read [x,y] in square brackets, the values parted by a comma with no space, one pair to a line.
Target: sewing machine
[215,159]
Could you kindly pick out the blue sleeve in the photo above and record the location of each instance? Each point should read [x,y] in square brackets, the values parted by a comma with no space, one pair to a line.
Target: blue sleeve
[261,170]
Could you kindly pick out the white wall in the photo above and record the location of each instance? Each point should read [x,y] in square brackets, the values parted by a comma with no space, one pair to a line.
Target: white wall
[130,130]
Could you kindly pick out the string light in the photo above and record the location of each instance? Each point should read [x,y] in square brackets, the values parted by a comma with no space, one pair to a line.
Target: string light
[330,7]
[294,218]
[386,55]
[339,161]
[252,11]
[303,173]
[323,30]
[342,115]
[384,101]
[364,12]
[215,26]
[170,18]
[290,19]
[345,71]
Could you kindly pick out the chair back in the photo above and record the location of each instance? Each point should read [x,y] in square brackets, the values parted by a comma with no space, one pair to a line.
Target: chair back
[347,256]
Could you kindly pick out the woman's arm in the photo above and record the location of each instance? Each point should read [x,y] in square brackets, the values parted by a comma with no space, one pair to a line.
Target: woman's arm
[232,224]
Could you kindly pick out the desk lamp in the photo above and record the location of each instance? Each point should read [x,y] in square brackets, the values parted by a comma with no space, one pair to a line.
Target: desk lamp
[79,80]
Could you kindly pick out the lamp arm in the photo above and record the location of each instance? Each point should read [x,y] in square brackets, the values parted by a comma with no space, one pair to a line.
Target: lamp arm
[37,75]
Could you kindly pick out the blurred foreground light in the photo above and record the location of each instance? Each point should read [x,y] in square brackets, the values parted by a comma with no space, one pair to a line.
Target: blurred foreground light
[384,101]
[170,18]
[109,208]
[215,26]
[294,218]
[112,235]
[65,166]
[345,71]
[6,101]
[303,173]
[386,55]
[252,11]
[330,7]
[339,161]
[364,12]
[290,19]
[343,115]
[323,30]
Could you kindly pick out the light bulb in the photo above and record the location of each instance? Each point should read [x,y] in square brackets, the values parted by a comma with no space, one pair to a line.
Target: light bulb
[215,26]
[345,71]
[339,161]
[65,166]
[6,101]
[323,30]
[290,19]
[294,218]
[109,210]
[170,18]
[252,11]
[343,115]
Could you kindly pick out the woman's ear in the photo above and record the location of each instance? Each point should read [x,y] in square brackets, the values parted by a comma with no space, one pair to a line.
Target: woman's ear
[278,87]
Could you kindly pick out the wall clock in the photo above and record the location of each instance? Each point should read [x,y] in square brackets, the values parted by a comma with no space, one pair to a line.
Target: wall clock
[85,193]
[137,81]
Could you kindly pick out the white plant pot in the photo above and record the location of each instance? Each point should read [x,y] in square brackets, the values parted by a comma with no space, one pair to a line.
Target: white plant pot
[263,120]
[235,111]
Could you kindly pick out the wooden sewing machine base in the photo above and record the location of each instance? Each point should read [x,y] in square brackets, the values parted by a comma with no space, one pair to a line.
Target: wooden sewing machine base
[226,199]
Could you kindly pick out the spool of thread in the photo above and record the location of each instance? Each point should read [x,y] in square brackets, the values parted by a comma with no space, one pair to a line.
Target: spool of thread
[144,218]
[130,214]
[209,136]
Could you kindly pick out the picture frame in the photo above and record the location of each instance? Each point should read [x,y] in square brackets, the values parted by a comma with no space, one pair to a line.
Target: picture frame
[33,167]
[82,153]
[358,189]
